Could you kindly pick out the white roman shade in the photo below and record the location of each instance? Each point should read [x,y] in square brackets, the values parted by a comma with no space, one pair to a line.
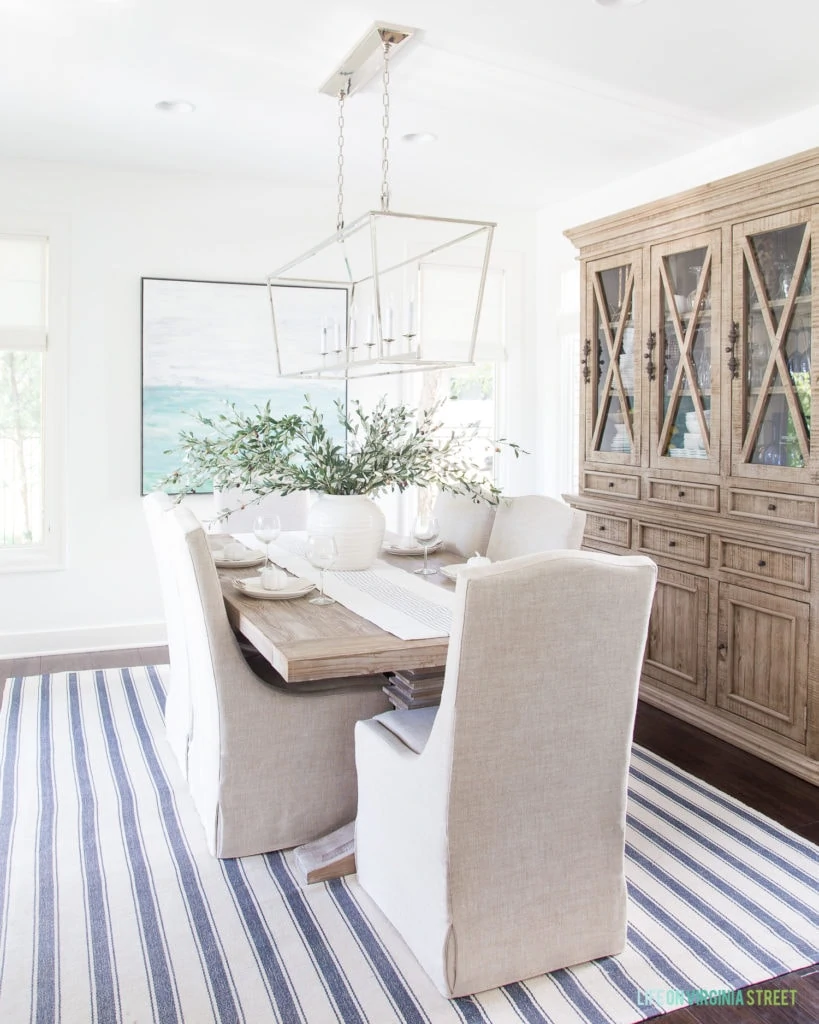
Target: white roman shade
[444,289]
[23,292]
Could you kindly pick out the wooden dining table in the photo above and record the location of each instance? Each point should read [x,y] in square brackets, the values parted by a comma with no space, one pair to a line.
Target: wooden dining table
[304,641]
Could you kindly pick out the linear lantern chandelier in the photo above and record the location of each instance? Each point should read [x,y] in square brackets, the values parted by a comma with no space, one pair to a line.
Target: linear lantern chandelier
[401,291]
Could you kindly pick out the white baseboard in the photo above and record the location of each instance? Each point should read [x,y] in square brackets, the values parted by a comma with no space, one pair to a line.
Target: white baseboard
[93,638]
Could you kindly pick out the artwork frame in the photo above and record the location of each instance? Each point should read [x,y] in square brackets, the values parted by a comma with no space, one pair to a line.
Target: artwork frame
[206,343]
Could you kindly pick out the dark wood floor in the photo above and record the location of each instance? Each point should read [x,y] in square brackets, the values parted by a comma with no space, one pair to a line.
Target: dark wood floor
[788,800]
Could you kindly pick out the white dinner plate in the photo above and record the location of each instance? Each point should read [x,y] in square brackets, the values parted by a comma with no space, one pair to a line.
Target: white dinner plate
[451,571]
[408,547]
[296,587]
[251,558]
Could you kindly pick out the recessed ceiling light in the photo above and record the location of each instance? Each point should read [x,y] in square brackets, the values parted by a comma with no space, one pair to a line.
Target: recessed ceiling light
[619,3]
[176,106]
[419,137]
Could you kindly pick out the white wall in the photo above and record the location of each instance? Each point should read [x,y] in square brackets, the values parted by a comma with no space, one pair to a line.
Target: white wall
[125,225]
[558,272]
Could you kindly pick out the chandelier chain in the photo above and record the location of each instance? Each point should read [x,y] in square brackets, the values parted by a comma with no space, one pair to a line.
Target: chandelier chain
[342,95]
[385,142]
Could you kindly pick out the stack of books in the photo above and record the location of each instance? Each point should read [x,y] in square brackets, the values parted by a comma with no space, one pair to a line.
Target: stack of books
[415,688]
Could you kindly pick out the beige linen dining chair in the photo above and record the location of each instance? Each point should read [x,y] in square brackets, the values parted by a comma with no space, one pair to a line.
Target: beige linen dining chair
[156,507]
[268,767]
[503,814]
[532,523]
[464,525]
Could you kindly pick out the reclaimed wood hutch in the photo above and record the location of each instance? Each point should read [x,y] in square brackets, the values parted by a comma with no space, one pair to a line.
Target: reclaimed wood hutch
[699,376]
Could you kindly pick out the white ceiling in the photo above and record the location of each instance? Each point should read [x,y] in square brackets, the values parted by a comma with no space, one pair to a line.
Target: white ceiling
[532,100]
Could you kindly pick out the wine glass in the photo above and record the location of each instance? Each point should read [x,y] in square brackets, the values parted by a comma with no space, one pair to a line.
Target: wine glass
[322,552]
[267,529]
[425,530]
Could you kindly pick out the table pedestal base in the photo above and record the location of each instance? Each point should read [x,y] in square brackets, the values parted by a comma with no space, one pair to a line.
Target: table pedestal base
[415,688]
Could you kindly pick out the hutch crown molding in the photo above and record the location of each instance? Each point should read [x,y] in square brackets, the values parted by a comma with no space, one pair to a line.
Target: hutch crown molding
[699,374]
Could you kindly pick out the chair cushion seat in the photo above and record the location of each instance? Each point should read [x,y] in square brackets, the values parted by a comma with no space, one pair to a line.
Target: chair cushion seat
[411,727]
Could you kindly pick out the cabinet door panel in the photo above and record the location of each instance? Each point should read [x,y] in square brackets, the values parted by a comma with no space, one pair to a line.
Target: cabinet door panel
[773,313]
[763,659]
[612,362]
[686,285]
[676,645]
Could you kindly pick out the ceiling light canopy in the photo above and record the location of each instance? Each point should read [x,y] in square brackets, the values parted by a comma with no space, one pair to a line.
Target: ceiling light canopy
[393,292]
[619,3]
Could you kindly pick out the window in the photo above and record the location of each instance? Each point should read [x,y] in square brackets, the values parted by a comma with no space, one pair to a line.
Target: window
[29,477]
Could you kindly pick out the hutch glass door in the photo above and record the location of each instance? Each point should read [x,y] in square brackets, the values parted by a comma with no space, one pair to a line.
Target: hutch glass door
[685,291]
[772,430]
[610,366]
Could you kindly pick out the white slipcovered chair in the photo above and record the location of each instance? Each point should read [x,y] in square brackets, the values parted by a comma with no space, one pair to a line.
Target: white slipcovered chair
[268,767]
[532,523]
[243,510]
[491,834]
[465,526]
[177,697]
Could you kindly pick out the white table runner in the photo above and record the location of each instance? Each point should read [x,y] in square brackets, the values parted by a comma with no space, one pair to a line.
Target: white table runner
[399,602]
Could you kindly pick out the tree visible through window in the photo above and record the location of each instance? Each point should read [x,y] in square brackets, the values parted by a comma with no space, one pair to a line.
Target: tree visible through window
[470,404]
[22,362]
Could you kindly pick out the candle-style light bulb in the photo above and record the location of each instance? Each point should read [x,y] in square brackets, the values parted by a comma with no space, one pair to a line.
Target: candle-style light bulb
[371,329]
[388,322]
[324,338]
[410,331]
[337,336]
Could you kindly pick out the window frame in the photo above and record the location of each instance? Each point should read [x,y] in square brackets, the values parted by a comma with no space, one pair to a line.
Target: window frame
[50,553]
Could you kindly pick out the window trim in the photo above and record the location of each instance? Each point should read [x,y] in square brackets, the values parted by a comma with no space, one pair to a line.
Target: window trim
[50,553]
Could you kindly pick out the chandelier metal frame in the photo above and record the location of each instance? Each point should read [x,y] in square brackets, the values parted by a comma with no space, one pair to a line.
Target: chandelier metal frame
[384,350]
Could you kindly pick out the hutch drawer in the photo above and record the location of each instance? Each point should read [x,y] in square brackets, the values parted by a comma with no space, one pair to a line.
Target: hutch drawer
[620,485]
[777,565]
[608,529]
[787,509]
[683,545]
[684,494]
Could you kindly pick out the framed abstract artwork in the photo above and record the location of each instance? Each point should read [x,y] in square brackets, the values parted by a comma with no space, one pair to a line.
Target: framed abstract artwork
[208,343]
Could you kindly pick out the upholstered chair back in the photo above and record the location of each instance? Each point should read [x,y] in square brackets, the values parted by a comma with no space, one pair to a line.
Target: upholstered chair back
[157,508]
[532,523]
[267,768]
[518,828]
[465,526]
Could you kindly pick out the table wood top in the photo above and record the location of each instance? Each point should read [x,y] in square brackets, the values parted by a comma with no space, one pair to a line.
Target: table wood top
[304,641]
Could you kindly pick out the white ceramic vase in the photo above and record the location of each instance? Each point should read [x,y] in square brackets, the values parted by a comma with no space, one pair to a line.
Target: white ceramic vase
[355,522]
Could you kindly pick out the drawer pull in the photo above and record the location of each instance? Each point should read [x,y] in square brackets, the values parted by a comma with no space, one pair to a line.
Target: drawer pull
[602,528]
[611,483]
[772,507]
[672,543]
[762,563]
[722,648]
[680,494]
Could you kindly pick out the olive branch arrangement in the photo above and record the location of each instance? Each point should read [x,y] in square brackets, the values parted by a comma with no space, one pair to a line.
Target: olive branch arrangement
[391,447]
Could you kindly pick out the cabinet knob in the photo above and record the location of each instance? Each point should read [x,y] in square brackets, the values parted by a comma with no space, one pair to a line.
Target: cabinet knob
[602,528]
[680,494]
[611,483]
[672,543]
[762,563]
[772,507]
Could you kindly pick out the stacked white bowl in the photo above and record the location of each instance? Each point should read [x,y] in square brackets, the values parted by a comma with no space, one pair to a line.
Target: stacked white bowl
[693,442]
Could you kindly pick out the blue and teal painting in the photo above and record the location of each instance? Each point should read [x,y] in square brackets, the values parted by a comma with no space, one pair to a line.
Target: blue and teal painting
[206,344]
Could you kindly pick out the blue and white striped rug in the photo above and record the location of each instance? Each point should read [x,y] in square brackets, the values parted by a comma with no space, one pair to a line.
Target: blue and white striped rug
[111,909]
